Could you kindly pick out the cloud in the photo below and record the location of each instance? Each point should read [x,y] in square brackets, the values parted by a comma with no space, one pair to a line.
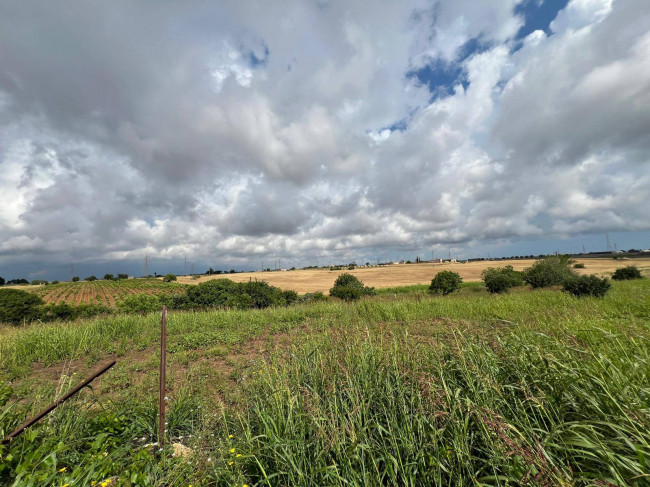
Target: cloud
[235,132]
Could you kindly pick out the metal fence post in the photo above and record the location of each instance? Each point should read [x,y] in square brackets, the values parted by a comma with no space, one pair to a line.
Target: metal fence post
[163,363]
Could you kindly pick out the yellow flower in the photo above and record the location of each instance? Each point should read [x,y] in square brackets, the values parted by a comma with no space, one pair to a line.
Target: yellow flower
[238,455]
[63,470]
[65,485]
[229,463]
[230,436]
[93,483]
[232,450]
[245,485]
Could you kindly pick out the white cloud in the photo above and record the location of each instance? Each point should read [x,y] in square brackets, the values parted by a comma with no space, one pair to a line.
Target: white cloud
[238,132]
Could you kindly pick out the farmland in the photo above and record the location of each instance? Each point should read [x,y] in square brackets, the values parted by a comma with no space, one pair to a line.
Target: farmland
[106,293]
[312,280]
[405,388]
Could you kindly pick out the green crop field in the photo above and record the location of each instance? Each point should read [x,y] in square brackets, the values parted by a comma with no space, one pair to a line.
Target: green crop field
[533,387]
[106,293]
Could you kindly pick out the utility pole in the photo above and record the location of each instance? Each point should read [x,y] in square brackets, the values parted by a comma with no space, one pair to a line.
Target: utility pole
[146,265]
[583,249]
[609,246]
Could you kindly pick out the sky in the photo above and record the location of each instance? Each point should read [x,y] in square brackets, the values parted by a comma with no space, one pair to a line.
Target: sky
[237,134]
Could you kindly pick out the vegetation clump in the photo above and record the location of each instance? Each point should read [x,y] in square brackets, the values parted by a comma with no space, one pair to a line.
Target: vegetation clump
[224,293]
[501,279]
[587,286]
[579,265]
[551,271]
[627,273]
[350,288]
[170,278]
[445,282]
[18,306]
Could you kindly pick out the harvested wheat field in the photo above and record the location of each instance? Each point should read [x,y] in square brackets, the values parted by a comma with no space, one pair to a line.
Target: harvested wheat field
[312,280]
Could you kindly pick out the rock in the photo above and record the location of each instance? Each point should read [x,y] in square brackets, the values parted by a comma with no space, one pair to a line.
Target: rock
[181,451]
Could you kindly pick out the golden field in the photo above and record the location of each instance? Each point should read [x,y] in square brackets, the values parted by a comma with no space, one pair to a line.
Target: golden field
[312,280]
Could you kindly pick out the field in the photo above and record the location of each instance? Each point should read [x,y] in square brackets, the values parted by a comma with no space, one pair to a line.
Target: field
[404,388]
[107,293]
[311,280]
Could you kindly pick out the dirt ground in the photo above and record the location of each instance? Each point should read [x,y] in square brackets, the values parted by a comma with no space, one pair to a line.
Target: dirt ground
[311,280]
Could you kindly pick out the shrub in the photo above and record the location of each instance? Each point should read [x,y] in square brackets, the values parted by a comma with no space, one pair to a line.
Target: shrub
[499,280]
[75,279]
[108,277]
[349,288]
[627,273]
[550,271]
[586,286]
[18,306]
[2,281]
[445,282]
[313,297]
[90,278]
[140,303]
[169,278]
[122,276]
[226,293]
[63,312]
[289,297]
[579,265]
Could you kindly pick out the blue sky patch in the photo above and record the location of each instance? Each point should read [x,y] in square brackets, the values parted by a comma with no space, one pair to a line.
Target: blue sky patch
[538,15]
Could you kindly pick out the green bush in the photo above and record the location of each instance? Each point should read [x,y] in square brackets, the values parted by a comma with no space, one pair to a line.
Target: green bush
[579,265]
[108,277]
[140,303]
[90,278]
[18,306]
[627,273]
[63,312]
[551,271]
[445,282]
[169,278]
[500,279]
[224,293]
[318,296]
[349,288]
[75,279]
[587,286]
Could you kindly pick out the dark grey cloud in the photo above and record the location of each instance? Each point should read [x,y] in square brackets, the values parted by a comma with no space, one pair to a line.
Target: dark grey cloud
[234,131]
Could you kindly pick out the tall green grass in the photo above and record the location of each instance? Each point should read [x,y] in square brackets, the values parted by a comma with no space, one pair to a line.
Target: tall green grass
[528,408]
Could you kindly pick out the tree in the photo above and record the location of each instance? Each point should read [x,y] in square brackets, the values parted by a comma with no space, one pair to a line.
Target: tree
[445,282]
[349,288]
[90,278]
[551,271]
[2,281]
[75,279]
[169,278]
[501,279]
[108,277]
[122,276]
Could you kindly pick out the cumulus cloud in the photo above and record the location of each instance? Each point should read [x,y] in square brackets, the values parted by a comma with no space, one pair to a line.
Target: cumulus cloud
[235,132]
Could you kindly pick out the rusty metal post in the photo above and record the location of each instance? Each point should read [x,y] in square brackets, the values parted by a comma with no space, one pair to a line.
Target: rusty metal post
[44,412]
[163,363]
